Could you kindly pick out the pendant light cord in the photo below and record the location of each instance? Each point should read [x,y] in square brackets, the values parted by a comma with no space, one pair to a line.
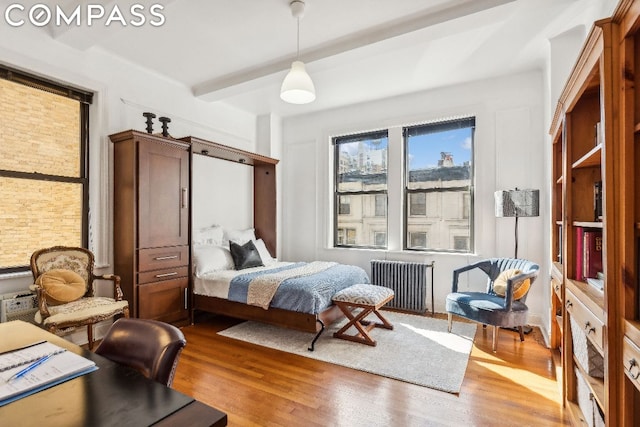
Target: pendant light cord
[298,38]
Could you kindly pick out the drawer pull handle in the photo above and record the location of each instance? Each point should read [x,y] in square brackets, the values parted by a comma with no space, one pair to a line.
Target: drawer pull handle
[569,304]
[186,298]
[185,198]
[162,258]
[175,273]
[589,328]
[633,364]
[557,288]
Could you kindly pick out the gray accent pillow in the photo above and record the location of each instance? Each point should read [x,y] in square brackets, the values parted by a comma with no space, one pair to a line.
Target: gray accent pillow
[245,256]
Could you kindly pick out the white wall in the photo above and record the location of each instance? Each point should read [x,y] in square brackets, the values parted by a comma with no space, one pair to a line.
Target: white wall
[222,194]
[122,92]
[509,152]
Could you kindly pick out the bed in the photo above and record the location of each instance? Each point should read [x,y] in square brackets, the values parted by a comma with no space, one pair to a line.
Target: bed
[242,280]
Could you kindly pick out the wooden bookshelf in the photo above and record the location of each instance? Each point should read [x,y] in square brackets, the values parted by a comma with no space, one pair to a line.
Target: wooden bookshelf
[581,153]
[603,92]
[587,224]
[627,214]
[592,158]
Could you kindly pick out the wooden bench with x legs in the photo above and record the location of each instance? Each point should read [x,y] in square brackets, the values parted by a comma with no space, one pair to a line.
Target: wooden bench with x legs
[369,299]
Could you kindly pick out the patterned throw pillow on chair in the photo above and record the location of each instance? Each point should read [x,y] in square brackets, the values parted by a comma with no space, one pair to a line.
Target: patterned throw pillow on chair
[61,286]
[519,289]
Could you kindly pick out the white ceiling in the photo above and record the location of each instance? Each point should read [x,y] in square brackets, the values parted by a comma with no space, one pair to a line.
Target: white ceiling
[238,51]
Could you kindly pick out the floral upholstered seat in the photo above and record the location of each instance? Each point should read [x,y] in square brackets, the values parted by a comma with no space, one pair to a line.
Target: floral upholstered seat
[63,280]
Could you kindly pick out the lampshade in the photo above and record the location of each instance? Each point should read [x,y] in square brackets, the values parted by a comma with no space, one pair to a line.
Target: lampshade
[297,87]
[517,203]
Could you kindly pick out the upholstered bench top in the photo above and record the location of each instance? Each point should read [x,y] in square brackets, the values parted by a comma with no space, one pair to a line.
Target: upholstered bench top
[364,294]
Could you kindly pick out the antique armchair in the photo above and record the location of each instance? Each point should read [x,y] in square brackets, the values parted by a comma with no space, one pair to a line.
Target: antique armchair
[148,346]
[63,280]
[502,305]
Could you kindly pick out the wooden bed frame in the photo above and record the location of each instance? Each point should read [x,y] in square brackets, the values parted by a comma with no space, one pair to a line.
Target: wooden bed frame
[264,219]
[313,323]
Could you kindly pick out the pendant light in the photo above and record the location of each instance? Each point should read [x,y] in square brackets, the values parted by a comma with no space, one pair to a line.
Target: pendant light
[297,87]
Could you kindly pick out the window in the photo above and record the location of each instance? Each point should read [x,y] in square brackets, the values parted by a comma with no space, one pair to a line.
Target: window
[43,167]
[466,205]
[346,236]
[438,184]
[345,205]
[417,204]
[433,183]
[461,243]
[418,240]
[381,205]
[361,177]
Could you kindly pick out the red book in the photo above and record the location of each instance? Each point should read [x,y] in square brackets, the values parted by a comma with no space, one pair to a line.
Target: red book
[579,253]
[592,253]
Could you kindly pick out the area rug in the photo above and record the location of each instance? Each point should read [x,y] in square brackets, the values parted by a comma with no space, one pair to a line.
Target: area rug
[418,350]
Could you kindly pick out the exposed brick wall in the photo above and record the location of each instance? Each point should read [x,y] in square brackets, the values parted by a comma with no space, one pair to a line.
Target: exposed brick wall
[39,132]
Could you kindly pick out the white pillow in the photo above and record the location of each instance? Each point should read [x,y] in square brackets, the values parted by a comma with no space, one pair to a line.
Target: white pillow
[208,258]
[213,235]
[264,252]
[239,236]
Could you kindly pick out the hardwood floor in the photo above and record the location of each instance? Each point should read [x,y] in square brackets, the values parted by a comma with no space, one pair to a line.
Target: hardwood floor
[258,386]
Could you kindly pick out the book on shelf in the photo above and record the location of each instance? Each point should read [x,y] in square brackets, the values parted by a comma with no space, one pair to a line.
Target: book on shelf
[592,247]
[597,201]
[588,253]
[579,257]
[560,243]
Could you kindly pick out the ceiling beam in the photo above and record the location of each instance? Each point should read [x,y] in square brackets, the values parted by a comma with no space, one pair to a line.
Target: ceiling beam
[252,78]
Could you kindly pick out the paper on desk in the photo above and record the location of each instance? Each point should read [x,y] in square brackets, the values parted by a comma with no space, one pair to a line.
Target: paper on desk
[25,355]
[60,367]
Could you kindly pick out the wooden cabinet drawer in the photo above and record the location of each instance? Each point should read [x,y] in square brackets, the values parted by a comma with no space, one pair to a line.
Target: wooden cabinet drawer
[160,275]
[631,361]
[592,326]
[163,258]
[166,301]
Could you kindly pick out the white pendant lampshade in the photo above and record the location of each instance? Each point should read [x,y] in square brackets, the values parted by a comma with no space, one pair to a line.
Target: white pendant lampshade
[297,87]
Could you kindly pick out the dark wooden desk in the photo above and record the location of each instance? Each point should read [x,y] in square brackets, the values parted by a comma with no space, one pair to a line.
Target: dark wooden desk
[114,395]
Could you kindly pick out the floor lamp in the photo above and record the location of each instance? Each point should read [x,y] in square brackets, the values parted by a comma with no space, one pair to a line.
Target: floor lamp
[517,203]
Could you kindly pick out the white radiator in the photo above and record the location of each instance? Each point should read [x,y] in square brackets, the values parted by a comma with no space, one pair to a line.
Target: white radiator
[18,307]
[408,281]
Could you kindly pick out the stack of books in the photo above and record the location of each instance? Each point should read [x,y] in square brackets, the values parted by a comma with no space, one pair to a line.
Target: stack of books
[588,253]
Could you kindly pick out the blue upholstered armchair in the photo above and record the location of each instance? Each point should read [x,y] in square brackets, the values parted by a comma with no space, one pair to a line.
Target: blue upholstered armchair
[491,308]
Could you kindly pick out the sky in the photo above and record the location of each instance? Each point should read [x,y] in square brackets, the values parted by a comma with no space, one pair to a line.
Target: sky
[424,150]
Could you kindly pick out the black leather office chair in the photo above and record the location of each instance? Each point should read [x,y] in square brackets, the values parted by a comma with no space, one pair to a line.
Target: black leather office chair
[149,346]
